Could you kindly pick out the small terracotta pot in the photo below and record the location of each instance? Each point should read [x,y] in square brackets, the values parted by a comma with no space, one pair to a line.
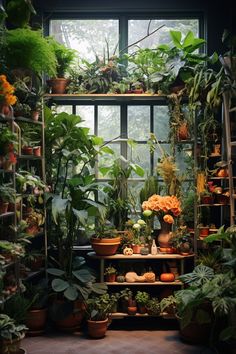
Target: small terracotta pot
[35,116]
[207,199]
[204,231]
[7,165]
[132,310]
[3,207]
[142,309]
[137,248]
[110,278]
[37,151]
[183,132]
[58,85]
[36,321]
[27,150]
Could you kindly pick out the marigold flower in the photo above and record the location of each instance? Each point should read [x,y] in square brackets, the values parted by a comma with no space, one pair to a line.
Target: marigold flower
[168,218]
[6,92]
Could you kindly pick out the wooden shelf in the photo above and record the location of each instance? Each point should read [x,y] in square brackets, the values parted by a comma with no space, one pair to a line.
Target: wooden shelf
[117,315]
[29,157]
[178,283]
[6,215]
[28,120]
[214,204]
[141,257]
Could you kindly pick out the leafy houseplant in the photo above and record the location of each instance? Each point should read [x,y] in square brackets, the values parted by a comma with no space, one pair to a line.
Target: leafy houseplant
[65,58]
[98,310]
[142,298]
[168,304]
[182,240]
[10,334]
[7,195]
[153,307]
[110,273]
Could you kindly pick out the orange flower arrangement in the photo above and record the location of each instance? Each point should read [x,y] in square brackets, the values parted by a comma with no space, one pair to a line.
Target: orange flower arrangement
[6,92]
[165,207]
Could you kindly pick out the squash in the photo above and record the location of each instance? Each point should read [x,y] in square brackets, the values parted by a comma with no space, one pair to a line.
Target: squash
[132,277]
[167,277]
[150,277]
[120,279]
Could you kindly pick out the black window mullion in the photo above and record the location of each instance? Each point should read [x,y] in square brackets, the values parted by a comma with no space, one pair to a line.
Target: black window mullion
[152,131]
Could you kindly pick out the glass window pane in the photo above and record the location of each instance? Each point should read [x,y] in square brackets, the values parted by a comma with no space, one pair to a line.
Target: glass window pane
[87,115]
[88,37]
[67,109]
[134,189]
[139,122]
[161,122]
[162,35]
[106,160]
[109,122]
[140,154]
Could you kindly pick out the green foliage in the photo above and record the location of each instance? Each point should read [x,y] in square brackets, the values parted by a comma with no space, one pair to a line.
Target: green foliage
[168,304]
[99,308]
[6,137]
[149,188]
[17,306]
[7,193]
[153,306]
[199,276]
[110,270]
[64,56]
[142,297]
[9,329]
[28,49]
[76,282]
[19,12]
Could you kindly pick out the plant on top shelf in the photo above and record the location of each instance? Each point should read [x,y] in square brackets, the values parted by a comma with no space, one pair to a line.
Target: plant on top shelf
[181,239]
[65,58]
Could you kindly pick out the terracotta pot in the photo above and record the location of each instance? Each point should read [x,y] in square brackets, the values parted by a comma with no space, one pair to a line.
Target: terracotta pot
[32,230]
[105,246]
[164,234]
[137,248]
[27,150]
[36,321]
[97,329]
[37,151]
[204,231]
[7,165]
[132,310]
[3,207]
[73,321]
[142,309]
[222,199]
[10,346]
[110,278]
[58,85]
[207,199]
[35,116]
[5,109]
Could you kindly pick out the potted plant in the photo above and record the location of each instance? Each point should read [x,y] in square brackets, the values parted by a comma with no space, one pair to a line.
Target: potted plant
[105,241]
[65,57]
[182,241]
[8,146]
[110,274]
[168,305]
[7,195]
[98,310]
[36,316]
[11,335]
[71,287]
[153,307]
[125,295]
[30,50]
[142,298]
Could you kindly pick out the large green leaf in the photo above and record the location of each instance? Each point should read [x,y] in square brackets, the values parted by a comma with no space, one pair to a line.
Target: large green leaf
[176,38]
[71,293]
[137,169]
[82,215]
[59,285]
[82,275]
[199,276]
[59,206]
[99,288]
[55,271]
[83,291]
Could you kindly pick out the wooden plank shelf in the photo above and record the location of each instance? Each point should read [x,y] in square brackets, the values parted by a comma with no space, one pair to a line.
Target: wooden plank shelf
[6,215]
[120,315]
[141,257]
[160,283]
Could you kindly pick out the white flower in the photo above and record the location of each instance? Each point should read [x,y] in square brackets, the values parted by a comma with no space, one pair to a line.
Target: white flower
[137,227]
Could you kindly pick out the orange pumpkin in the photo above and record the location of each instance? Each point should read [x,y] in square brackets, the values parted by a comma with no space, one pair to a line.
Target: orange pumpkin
[167,277]
[222,172]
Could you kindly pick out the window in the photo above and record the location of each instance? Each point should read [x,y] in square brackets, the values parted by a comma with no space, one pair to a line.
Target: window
[100,36]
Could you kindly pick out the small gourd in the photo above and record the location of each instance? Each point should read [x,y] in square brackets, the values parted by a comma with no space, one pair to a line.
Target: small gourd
[167,277]
[144,251]
[120,279]
[150,277]
[127,251]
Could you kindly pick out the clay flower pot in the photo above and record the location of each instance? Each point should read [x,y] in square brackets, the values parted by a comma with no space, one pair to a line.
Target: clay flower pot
[36,321]
[105,246]
[58,85]
[37,151]
[110,278]
[3,207]
[97,329]
[27,150]
[35,116]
